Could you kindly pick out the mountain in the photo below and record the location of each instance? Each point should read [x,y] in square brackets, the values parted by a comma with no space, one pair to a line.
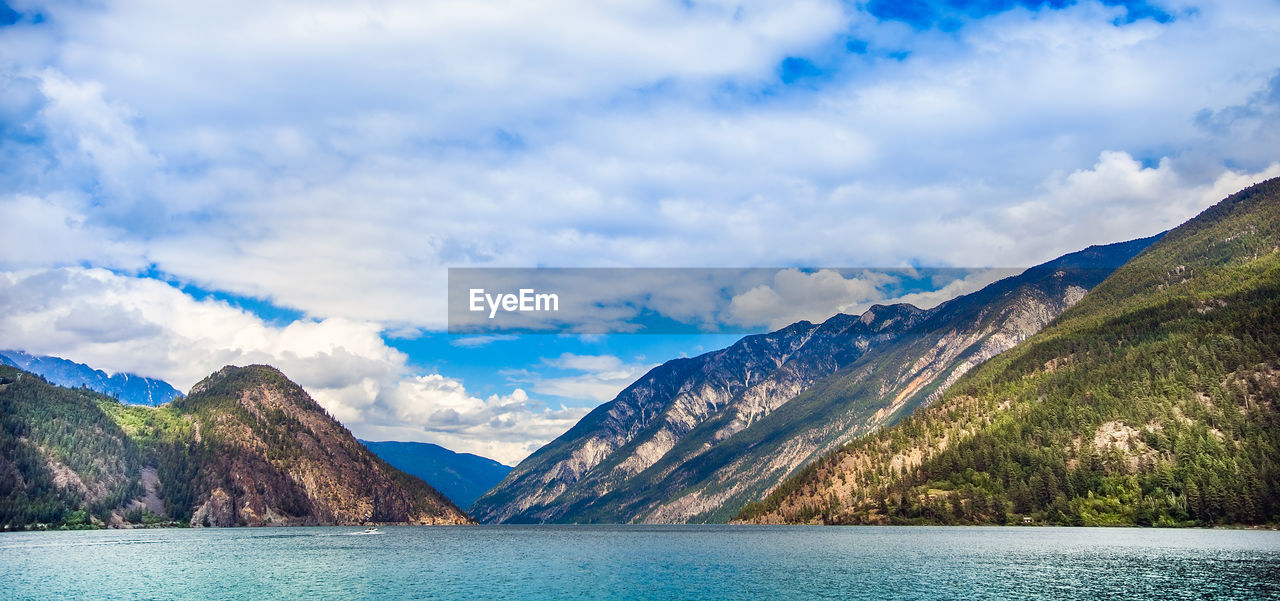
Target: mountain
[462,477]
[245,447]
[129,388]
[62,459]
[1153,401]
[695,439]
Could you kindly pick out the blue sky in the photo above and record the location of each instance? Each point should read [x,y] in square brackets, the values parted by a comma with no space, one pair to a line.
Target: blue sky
[188,185]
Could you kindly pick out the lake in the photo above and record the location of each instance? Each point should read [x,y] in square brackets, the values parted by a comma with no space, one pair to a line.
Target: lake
[642,562]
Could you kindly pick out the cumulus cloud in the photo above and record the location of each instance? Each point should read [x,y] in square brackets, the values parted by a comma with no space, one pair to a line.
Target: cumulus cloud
[87,131]
[794,295]
[122,323]
[1123,199]
[952,287]
[503,427]
[1242,132]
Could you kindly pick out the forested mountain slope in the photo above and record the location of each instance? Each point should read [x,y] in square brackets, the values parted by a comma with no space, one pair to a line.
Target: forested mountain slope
[1152,401]
[246,447]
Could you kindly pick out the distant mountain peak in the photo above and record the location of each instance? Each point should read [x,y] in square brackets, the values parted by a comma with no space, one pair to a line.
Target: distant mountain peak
[462,477]
[125,387]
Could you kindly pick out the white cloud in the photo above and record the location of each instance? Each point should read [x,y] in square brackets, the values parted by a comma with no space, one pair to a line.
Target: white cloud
[795,295]
[599,378]
[54,230]
[594,363]
[506,428]
[479,341]
[121,323]
[1122,199]
[86,128]
[971,282]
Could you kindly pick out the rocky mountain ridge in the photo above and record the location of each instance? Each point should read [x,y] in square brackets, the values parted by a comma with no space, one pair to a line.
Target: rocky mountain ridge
[694,439]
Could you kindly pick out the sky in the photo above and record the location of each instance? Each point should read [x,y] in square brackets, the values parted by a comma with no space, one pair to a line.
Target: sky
[189,185]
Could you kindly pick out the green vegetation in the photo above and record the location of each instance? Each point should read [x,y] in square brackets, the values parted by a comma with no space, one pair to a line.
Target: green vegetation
[63,462]
[1151,402]
[165,439]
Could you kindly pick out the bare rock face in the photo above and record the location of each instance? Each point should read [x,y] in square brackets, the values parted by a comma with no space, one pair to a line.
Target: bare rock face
[217,510]
[695,439]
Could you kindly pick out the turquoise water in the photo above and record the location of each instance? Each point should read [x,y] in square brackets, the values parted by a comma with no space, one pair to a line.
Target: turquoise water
[641,562]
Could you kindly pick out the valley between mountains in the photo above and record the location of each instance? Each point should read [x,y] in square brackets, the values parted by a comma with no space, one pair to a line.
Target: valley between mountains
[1130,383]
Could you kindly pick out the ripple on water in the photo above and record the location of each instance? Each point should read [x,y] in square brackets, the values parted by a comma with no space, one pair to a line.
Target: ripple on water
[639,562]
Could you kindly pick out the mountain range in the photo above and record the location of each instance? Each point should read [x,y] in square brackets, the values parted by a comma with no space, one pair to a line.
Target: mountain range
[128,388]
[693,440]
[1131,383]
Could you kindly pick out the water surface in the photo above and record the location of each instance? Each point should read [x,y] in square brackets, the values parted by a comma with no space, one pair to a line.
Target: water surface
[642,562]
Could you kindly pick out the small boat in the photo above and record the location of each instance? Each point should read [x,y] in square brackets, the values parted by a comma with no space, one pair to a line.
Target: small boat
[369,530]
